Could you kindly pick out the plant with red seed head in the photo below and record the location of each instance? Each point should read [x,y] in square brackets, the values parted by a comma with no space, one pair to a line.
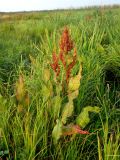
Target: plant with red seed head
[70,86]
[55,66]
[66,44]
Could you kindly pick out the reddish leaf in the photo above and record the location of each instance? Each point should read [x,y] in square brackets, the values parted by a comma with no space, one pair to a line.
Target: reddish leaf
[73,129]
[79,130]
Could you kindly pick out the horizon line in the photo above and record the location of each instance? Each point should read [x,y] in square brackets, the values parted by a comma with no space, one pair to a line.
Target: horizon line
[67,8]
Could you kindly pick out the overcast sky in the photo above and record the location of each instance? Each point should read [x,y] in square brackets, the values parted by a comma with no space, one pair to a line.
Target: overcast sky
[27,5]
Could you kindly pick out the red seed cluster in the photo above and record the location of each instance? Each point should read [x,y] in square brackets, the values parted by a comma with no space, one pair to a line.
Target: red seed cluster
[71,65]
[55,65]
[66,45]
[62,58]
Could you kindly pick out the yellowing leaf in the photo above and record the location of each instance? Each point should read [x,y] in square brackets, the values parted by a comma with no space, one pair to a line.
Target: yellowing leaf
[57,131]
[93,109]
[46,75]
[83,119]
[67,111]
[73,95]
[74,82]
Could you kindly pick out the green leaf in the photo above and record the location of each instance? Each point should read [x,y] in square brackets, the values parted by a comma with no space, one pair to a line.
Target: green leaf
[100,48]
[4,152]
[56,105]
[67,111]
[57,131]
[83,118]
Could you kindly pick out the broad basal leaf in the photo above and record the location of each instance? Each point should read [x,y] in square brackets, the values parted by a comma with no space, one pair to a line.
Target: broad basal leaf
[83,119]
[61,130]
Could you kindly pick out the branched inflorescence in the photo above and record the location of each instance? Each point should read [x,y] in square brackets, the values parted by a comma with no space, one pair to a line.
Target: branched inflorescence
[65,47]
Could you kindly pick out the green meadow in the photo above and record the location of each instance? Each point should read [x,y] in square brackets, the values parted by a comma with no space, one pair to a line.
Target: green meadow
[60,99]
